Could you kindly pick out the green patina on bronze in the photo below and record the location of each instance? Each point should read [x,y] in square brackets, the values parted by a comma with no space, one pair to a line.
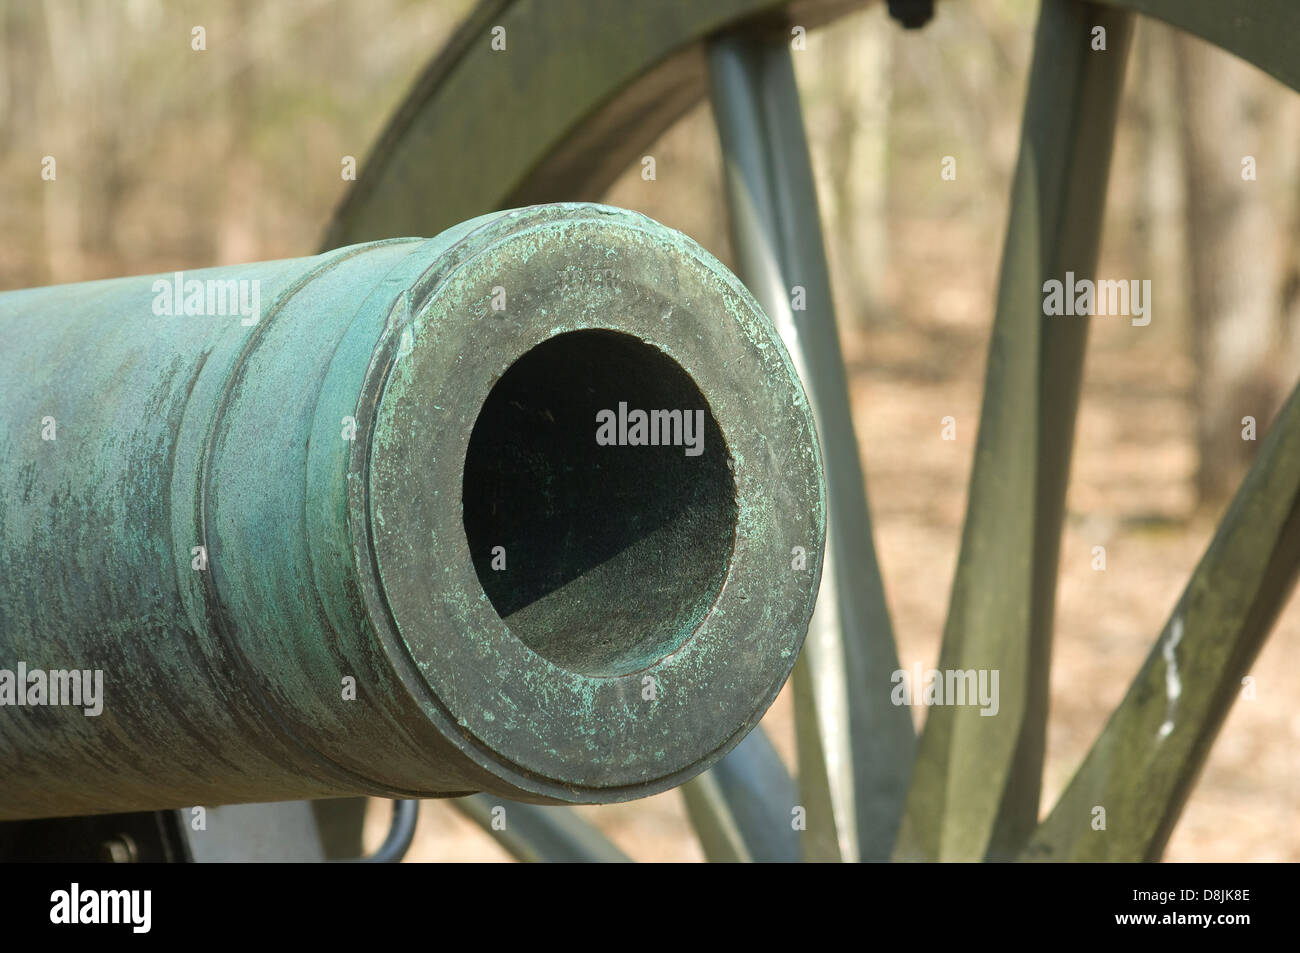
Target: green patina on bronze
[320,457]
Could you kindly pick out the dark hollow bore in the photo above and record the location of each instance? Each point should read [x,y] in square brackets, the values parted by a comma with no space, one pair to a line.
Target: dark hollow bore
[612,554]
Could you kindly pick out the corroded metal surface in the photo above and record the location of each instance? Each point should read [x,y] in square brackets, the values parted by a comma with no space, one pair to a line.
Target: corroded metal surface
[388,477]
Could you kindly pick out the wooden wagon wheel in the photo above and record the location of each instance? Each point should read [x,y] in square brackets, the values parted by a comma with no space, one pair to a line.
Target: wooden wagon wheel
[480,131]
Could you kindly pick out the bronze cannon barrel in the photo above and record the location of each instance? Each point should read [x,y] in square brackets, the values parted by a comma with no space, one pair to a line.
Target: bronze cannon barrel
[534,507]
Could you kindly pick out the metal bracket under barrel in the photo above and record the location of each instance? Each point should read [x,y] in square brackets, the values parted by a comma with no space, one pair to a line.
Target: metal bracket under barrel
[851,788]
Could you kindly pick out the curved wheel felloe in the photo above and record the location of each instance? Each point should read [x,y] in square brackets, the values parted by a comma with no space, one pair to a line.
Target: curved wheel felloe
[486,129]
[1265,33]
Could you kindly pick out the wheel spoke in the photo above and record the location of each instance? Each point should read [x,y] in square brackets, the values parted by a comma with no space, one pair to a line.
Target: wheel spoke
[742,809]
[855,746]
[538,833]
[1144,764]
[977,779]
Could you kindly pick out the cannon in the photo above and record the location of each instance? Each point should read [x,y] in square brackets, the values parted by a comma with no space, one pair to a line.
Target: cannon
[534,507]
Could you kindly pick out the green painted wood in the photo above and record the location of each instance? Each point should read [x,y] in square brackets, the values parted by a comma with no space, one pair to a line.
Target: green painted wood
[976,784]
[536,834]
[1144,764]
[742,808]
[1263,32]
[466,140]
[484,129]
[855,747]
[821,735]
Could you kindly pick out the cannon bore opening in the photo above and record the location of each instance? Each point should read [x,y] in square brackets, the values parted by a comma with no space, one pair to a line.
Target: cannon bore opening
[599,503]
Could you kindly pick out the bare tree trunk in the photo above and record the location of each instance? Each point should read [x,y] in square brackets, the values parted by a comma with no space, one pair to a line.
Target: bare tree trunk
[1159,221]
[1234,255]
[237,239]
[848,70]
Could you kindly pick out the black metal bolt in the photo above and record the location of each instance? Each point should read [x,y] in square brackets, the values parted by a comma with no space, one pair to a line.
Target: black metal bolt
[912,14]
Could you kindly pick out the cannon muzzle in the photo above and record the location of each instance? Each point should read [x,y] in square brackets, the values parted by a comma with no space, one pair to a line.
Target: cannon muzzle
[534,507]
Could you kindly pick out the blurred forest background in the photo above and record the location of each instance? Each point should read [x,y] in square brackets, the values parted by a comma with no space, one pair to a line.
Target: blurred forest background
[168,158]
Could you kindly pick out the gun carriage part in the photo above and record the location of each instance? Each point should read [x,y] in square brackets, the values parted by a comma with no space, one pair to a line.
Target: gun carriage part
[357,534]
